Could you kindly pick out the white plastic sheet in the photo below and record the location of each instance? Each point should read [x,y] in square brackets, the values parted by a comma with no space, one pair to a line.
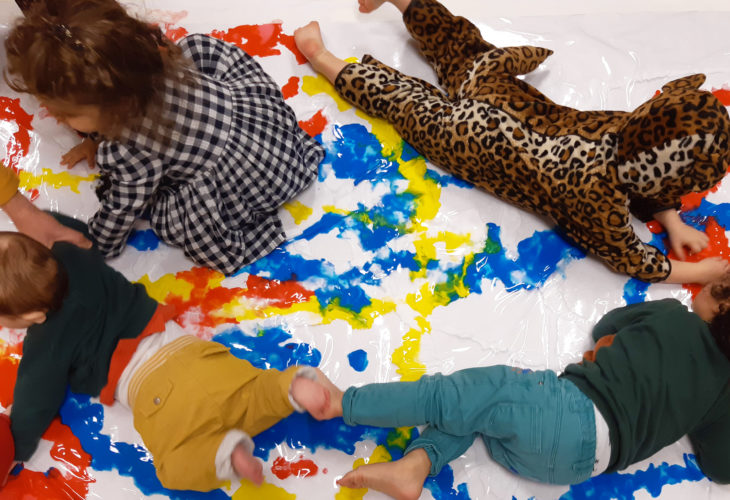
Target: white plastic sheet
[391,269]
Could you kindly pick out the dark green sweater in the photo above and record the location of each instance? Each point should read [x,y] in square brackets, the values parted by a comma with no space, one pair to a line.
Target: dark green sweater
[73,347]
[663,377]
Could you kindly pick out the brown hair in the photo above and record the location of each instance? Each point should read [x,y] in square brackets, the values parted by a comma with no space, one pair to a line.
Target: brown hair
[91,52]
[31,279]
[720,324]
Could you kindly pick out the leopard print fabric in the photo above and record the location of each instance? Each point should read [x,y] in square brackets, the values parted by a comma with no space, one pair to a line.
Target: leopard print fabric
[585,170]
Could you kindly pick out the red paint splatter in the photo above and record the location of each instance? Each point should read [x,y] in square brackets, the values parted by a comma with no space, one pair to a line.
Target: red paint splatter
[207,299]
[34,194]
[278,293]
[291,88]
[174,33]
[315,125]
[53,485]
[325,471]
[301,468]
[717,247]
[66,449]
[19,144]
[654,227]
[723,96]
[260,40]
[9,360]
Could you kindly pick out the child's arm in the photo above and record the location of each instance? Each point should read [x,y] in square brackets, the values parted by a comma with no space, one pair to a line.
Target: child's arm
[702,272]
[711,443]
[134,177]
[39,393]
[681,235]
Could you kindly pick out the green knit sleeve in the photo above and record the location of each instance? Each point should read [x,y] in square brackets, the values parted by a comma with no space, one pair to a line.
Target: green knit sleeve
[39,392]
[711,441]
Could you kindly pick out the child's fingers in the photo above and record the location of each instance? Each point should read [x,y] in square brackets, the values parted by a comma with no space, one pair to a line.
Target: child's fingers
[679,250]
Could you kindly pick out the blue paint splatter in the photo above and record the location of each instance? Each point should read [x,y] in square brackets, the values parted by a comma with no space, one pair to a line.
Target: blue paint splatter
[265,350]
[653,479]
[144,240]
[539,257]
[355,154]
[635,291]
[442,486]
[86,419]
[358,360]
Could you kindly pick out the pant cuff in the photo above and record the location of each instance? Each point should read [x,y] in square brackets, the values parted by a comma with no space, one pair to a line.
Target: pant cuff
[433,455]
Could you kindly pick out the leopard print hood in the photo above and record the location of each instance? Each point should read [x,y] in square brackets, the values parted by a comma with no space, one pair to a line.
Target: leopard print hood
[675,143]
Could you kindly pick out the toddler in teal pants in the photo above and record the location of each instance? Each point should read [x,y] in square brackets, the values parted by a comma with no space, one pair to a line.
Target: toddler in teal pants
[658,371]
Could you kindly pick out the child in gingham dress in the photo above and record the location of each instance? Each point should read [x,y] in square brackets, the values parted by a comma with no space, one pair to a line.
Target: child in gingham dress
[212,156]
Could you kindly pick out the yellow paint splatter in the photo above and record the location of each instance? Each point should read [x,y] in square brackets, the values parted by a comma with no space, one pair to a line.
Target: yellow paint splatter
[357,320]
[54,179]
[319,85]
[334,210]
[168,284]
[391,141]
[298,210]
[248,490]
[400,437]
[380,455]
[405,357]
[427,192]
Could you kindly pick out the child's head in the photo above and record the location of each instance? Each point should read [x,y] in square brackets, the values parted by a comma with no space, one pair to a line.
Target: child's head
[712,304]
[94,66]
[32,283]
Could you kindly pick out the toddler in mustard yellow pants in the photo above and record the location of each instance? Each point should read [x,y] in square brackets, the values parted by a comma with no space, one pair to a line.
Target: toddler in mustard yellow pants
[89,329]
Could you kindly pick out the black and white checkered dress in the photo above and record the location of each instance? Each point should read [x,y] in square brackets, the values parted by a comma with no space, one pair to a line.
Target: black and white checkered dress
[236,155]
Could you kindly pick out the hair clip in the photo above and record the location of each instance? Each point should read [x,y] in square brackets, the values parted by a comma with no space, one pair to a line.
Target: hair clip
[63,34]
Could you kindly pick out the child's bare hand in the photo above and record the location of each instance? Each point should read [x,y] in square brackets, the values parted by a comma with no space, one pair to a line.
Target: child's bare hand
[684,236]
[86,150]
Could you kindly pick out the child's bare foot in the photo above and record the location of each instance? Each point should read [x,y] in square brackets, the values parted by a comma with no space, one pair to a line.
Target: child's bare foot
[309,41]
[367,6]
[321,398]
[402,479]
[246,465]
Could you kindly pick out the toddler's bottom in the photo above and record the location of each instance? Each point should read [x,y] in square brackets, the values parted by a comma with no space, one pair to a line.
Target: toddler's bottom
[188,398]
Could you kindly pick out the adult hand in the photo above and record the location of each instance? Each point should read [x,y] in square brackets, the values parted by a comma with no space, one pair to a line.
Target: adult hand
[40,226]
[86,150]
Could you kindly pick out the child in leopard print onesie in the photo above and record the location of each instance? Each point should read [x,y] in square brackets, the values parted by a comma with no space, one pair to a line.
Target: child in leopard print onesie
[585,170]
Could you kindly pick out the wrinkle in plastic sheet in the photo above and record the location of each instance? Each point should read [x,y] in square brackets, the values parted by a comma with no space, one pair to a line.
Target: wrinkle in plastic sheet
[392,268]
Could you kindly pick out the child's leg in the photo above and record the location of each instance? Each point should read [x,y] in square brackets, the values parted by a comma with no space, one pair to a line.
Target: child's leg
[418,111]
[532,422]
[194,410]
[449,43]
[457,404]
